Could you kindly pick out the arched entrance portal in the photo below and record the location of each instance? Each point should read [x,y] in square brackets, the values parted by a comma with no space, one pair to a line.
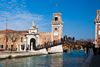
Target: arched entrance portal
[33,43]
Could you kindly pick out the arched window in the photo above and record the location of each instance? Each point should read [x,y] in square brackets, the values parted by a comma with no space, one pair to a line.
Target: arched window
[21,39]
[56,18]
[12,39]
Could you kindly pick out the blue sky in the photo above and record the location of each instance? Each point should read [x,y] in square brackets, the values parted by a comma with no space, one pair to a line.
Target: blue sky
[78,15]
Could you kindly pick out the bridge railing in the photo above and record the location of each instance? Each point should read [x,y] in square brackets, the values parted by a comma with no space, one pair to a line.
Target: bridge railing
[59,42]
[50,44]
[55,43]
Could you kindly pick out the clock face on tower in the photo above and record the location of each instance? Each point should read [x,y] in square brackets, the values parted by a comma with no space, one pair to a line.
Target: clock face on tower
[55,29]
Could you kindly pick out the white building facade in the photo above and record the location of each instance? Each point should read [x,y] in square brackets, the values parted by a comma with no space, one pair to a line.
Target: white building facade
[32,38]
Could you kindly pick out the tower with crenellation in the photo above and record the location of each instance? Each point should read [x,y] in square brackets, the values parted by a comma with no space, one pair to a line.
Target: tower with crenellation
[97,29]
[57,29]
[57,26]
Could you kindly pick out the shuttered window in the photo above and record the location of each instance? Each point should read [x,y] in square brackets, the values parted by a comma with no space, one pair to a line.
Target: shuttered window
[21,39]
[1,46]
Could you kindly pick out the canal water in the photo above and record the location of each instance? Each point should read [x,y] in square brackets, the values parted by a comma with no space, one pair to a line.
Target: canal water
[74,59]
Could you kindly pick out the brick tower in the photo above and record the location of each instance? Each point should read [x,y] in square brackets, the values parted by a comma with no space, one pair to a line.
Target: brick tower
[57,26]
[97,29]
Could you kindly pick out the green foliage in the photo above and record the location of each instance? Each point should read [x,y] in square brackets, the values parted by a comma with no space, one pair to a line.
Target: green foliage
[74,47]
[79,47]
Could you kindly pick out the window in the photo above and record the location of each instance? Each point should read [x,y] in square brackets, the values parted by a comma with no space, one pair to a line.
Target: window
[12,39]
[45,38]
[56,18]
[0,39]
[99,26]
[1,46]
[21,39]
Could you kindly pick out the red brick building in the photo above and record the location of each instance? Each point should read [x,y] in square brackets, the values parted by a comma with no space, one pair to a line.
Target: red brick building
[14,39]
[20,40]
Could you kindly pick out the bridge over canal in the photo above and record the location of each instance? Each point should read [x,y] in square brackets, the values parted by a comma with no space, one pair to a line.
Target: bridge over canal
[57,45]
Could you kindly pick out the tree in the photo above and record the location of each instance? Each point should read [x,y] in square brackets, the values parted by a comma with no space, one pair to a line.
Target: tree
[90,40]
[65,37]
[69,38]
[73,38]
[82,39]
[13,36]
[79,47]
[74,47]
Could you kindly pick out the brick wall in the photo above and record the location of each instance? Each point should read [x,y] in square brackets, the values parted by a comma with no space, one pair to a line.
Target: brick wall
[16,36]
[44,35]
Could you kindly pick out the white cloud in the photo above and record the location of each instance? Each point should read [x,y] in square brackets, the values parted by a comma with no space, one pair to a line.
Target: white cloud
[19,20]
[18,17]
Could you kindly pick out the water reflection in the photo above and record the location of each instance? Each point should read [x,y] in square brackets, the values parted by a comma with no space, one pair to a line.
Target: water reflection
[54,60]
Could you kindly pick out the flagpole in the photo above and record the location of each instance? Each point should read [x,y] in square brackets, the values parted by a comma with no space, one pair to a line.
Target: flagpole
[6,34]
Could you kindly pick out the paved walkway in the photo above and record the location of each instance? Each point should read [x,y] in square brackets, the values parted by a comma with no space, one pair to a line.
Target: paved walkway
[14,54]
[95,62]
[88,60]
[92,60]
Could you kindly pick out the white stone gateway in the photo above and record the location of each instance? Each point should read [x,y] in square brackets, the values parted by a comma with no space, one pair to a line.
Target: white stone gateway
[32,38]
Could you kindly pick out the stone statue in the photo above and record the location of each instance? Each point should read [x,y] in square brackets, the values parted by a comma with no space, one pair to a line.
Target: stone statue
[33,23]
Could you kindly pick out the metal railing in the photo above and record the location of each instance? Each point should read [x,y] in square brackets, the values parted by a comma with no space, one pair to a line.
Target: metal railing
[50,44]
[64,40]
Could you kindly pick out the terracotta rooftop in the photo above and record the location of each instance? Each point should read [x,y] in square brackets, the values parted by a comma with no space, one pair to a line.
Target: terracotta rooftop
[83,41]
[8,30]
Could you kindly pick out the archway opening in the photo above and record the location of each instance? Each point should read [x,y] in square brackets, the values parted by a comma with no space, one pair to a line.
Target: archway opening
[33,43]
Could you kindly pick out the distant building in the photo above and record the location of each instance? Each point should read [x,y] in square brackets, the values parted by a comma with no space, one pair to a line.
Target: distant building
[97,29]
[30,39]
[15,39]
